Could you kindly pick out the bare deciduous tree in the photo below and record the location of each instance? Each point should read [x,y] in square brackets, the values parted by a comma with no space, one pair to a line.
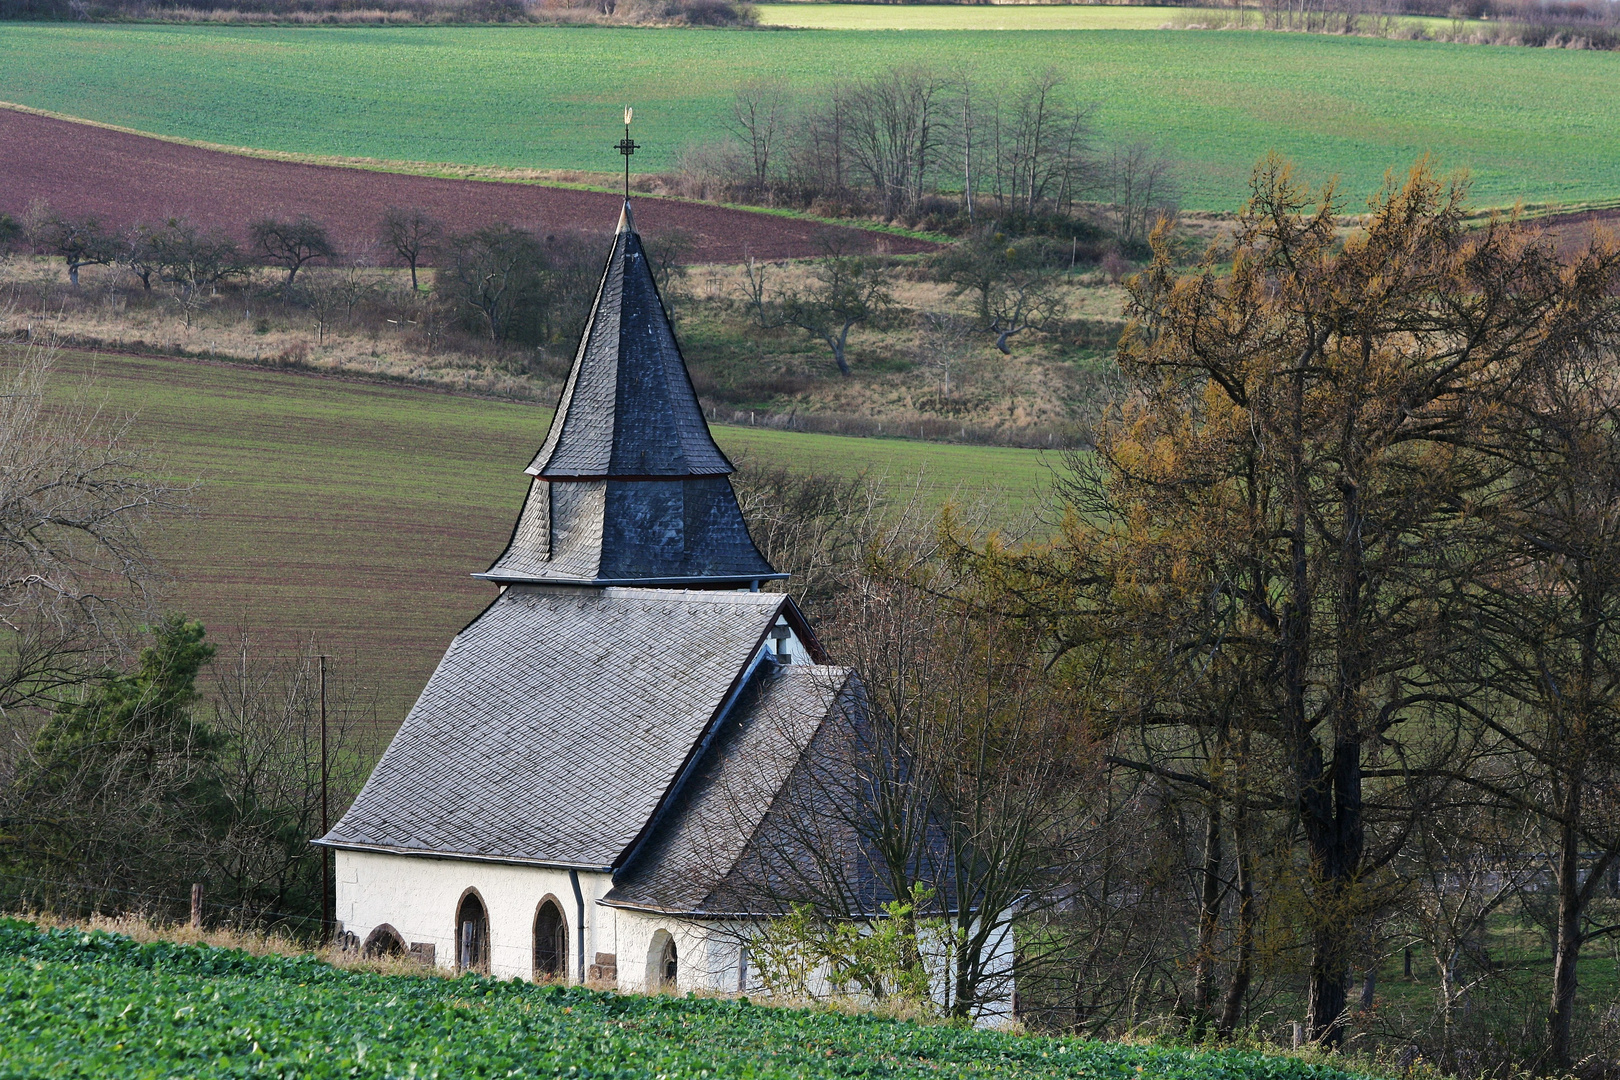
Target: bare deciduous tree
[1142,187]
[895,130]
[1039,145]
[846,290]
[291,243]
[75,495]
[80,242]
[759,114]
[411,235]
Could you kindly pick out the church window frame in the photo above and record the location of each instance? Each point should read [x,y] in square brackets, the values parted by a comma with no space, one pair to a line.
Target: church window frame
[663,963]
[561,940]
[472,955]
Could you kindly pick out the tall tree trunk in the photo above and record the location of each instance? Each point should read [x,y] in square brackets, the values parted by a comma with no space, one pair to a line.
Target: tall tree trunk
[1567,942]
[1237,986]
[1209,917]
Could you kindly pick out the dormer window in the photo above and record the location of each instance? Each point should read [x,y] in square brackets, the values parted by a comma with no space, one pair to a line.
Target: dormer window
[782,637]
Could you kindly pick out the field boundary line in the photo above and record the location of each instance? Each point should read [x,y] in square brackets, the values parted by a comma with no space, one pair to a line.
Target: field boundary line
[487,174]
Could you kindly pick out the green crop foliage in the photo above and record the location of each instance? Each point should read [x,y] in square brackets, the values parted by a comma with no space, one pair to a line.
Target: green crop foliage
[1532,124]
[356,511]
[99,1005]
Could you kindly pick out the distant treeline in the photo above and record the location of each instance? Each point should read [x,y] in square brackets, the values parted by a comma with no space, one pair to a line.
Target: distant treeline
[628,12]
[1574,24]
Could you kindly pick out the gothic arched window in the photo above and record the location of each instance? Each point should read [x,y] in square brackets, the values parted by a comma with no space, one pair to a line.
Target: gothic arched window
[472,935]
[550,940]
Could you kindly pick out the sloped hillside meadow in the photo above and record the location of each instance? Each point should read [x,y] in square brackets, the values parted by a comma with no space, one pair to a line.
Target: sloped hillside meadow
[357,511]
[76,1004]
[1531,124]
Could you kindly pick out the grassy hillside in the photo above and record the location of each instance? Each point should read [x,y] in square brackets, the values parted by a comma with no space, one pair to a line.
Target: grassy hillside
[843,16]
[1535,124]
[99,1005]
[807,15]
[357,511]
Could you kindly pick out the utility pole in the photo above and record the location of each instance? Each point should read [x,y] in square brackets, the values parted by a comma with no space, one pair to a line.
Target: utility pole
[326,873]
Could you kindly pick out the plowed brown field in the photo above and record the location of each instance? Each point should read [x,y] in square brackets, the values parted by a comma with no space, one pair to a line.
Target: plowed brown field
[125,179]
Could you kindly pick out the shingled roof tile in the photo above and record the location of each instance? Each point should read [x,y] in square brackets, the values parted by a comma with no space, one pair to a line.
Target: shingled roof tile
[557,722]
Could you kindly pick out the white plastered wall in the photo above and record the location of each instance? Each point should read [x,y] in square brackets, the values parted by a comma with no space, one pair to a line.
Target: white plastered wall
[419,897]
[707,954]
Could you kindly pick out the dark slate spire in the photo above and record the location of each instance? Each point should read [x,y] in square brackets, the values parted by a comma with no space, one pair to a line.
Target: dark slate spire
[629,486]
[628,408]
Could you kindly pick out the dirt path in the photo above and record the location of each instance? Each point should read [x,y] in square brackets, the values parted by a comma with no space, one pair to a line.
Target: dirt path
[125,178]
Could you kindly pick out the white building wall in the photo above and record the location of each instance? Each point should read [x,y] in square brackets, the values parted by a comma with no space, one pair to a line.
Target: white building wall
[419,898]
[707,954]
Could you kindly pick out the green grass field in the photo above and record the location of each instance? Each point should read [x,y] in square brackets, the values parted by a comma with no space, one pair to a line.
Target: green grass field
[356,511]
[99,1005]
[868,16]
[810,16]
[1536,124]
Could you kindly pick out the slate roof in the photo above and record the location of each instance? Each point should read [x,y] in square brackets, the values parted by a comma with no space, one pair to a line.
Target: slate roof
[624,532]
[701,857]
[557,723]
[629,486]
[628,407]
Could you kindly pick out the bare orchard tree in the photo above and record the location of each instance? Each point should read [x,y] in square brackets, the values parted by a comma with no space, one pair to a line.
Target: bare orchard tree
[1015,284]
[191,261]
[75,495]
[897,134]
[291,243]
[410,234]
[759,115]
[846,290]
[80,242]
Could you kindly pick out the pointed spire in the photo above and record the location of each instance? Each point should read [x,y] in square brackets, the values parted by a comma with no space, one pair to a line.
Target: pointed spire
[628,407]
[629,485]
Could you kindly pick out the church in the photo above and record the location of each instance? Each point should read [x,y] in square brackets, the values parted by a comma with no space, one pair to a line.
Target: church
[600,775]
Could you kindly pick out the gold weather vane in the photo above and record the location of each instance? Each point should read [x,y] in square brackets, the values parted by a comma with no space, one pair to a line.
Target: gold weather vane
[627,147]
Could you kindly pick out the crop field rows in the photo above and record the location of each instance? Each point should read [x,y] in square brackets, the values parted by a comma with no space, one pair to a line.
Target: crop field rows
[356,512]
[99,1005]
[1531,124]
[125,179]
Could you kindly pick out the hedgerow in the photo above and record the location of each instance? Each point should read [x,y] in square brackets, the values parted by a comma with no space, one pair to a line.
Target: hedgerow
[76,1004]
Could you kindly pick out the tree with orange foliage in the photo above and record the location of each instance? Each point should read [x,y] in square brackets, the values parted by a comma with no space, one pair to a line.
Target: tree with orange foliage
[1279,528]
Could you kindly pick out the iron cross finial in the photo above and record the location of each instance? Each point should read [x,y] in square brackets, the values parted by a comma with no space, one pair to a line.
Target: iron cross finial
[627,146]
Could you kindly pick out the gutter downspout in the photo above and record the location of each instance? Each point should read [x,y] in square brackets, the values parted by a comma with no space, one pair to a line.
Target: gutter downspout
[579,903]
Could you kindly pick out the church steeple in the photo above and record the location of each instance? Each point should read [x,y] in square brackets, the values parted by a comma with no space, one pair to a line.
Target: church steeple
[629,486]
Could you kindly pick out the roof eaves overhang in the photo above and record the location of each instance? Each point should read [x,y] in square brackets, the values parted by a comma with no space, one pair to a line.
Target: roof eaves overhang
[460,856]
[688,913]
[581,478]
[528,579]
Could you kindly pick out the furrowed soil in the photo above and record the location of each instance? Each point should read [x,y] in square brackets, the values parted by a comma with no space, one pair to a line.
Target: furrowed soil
[1531,124]
[126,179]
[356,512]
